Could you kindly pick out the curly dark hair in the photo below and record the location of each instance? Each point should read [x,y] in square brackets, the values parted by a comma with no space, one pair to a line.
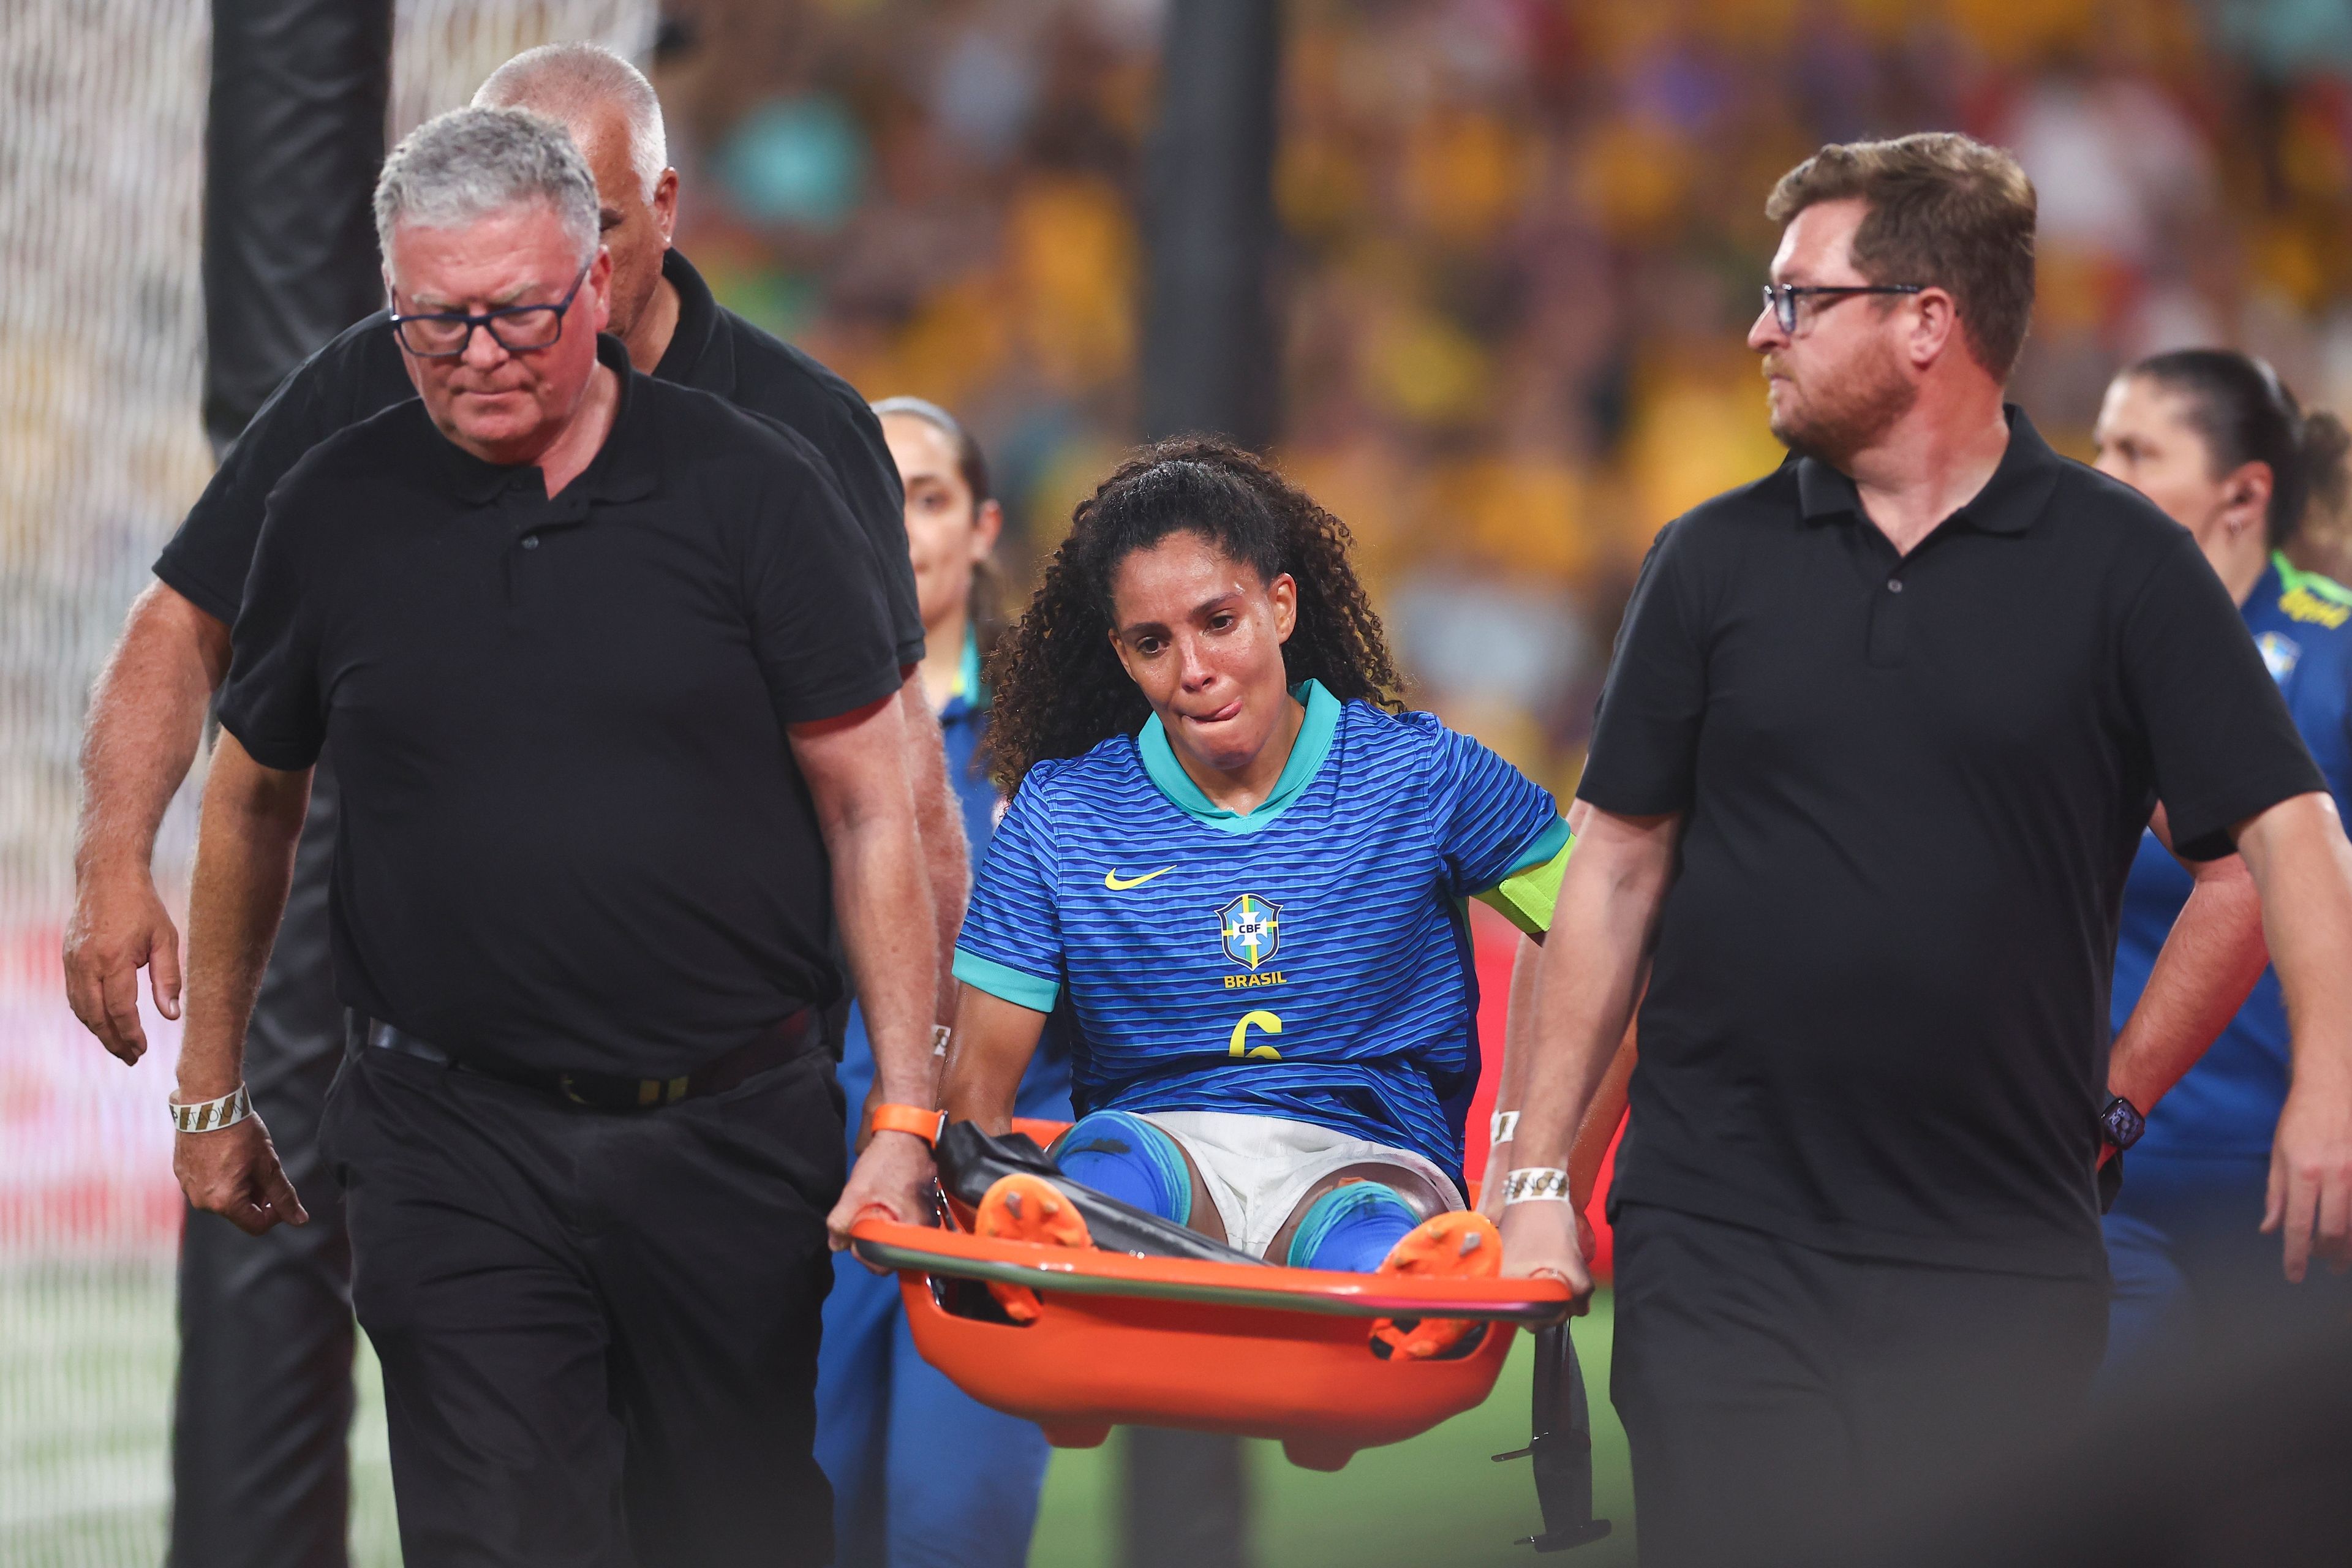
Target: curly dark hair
[1059,688]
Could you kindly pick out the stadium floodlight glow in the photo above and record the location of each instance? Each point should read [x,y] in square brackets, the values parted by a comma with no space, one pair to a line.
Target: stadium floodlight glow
[517,329]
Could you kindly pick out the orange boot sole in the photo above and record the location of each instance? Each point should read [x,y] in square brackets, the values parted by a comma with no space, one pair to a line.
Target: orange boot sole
[1459,1245]
[1023,1207]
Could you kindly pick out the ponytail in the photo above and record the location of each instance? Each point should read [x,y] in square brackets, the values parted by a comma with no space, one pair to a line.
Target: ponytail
[2327,469]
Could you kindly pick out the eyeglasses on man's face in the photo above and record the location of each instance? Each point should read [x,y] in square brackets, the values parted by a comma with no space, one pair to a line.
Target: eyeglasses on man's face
[1781,299]
[517,329]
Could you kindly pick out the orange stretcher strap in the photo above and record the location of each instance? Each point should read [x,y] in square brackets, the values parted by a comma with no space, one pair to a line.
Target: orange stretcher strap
[924,1124]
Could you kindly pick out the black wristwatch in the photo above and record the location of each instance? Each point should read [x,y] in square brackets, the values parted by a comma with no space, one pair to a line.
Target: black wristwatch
[2121,1123]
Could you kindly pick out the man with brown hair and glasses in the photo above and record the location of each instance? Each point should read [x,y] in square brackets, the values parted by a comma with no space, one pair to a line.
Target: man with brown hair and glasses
[1879,739]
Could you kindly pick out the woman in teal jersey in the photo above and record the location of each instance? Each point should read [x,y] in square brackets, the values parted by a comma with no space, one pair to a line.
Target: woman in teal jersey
[1239,872]
[2214,438]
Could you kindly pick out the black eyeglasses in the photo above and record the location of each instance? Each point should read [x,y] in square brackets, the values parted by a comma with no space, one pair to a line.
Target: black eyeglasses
[1781,298]
[517,329]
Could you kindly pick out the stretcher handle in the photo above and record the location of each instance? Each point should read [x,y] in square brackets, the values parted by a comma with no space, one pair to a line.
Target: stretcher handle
[1069,1282]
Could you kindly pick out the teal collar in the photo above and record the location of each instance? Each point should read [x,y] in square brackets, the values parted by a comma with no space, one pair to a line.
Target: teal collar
[967,692]
[1307,755]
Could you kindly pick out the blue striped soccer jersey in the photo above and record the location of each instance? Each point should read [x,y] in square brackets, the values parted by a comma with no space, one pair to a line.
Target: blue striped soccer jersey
[2228,1104]
[1310,959]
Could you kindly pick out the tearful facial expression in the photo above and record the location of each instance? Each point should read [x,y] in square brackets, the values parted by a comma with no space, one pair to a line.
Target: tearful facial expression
[500,405]
[1202,634]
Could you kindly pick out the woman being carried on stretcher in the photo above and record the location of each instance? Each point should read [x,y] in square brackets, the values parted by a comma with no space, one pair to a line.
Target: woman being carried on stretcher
[1240,875]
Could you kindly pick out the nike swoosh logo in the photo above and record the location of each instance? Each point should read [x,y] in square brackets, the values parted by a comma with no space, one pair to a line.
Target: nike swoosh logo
[1111,879]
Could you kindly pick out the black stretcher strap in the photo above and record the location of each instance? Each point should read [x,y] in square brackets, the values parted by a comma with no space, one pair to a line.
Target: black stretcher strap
[971,1161]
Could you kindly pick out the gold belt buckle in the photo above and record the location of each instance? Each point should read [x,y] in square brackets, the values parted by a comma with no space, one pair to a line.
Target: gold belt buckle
[653,1091]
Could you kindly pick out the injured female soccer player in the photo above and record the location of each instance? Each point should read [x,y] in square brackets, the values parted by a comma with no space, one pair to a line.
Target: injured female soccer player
[1239,875]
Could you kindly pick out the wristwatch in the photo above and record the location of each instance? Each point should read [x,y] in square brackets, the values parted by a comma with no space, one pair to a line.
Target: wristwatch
[2121,1123]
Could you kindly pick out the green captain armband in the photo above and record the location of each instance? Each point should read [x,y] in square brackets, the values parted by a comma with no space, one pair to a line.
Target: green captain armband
[1525,897]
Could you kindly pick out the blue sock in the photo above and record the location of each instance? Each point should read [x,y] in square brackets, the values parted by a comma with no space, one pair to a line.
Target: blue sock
[1351,1230]
[1125,1157]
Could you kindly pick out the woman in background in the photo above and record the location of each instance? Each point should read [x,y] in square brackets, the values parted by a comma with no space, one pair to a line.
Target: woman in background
[2214,438]
[922,1473]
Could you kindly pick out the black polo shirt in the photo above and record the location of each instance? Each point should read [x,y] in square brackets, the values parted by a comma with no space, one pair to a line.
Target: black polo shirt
[572,834]
[1877,1016]
[360,373]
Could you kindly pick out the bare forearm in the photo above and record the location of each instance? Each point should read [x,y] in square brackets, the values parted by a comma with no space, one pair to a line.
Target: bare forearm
[1599,1125]
[146,721]
[878,877]
[992,1044]
[946,858]
[244,863]
[2209,962]
[2300,859]
[1593,965]
[1519,1027]
[1588,990]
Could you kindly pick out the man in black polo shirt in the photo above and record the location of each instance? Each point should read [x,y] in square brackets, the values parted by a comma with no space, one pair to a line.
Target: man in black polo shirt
[265,1335]
[613,681]
[1880,735]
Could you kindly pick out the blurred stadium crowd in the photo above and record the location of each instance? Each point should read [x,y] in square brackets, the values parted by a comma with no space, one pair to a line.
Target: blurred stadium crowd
[1522,242]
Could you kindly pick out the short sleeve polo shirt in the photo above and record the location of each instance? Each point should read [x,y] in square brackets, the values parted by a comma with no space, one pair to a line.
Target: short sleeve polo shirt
[572,834]
[1912,787]
[711,349]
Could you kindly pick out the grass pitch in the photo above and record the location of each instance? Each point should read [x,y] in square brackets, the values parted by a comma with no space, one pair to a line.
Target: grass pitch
[1437,1500]
[85,1392]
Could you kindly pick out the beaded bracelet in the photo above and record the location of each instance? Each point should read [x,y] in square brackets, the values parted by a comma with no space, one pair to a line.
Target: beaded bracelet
[1538,1185]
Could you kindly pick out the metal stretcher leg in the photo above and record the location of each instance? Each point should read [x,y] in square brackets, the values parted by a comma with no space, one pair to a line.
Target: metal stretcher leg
[1561,1447]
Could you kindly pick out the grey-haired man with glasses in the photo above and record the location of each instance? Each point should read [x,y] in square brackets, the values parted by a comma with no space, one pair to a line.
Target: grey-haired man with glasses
[611,677]
[263,1401]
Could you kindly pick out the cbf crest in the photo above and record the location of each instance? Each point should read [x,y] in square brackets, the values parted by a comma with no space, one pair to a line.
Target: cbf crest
[1252,929]
[2281,654]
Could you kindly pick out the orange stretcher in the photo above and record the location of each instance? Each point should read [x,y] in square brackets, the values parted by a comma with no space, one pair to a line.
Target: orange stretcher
[1236,1347]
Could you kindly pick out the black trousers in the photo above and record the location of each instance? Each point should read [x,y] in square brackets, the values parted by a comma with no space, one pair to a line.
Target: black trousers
[261,1414]
[1777,1397]
[598,1330]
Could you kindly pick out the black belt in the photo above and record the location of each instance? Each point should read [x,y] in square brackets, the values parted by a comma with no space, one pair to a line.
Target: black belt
[783,1042]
